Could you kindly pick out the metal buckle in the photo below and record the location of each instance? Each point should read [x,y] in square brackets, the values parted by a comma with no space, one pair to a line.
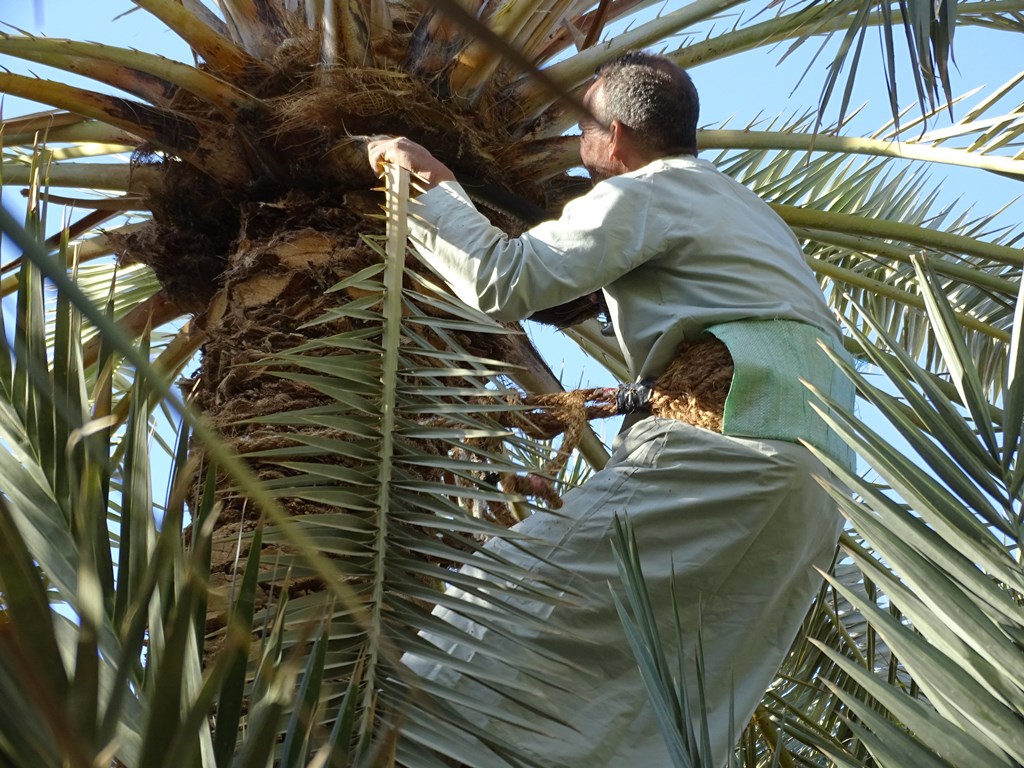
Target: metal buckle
[634,398]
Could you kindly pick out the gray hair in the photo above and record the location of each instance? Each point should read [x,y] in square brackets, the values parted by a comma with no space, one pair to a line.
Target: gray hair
[654,98]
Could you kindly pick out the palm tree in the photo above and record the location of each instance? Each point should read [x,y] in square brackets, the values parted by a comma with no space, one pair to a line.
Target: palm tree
[260,612]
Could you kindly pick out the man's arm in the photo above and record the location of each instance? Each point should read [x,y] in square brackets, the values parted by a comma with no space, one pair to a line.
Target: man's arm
[598,238]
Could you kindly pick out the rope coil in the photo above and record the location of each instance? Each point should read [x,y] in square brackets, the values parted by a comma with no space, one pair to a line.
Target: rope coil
[693,389]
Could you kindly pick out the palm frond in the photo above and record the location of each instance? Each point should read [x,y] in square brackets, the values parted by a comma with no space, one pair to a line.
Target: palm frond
[822,142]
[156,78]
[222,54]
[943,556]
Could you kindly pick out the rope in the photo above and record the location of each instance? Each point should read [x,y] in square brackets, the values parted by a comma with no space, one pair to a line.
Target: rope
[692,389]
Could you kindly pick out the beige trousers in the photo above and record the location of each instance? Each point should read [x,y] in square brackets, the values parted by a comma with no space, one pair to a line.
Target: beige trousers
[741,523]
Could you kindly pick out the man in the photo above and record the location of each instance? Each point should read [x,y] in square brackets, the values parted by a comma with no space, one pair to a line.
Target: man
[681,252]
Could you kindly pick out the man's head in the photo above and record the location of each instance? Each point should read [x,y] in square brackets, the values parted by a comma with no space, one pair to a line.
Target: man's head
[646,107]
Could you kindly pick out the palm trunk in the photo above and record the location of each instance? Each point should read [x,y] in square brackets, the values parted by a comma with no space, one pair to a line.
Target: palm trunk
[272,286]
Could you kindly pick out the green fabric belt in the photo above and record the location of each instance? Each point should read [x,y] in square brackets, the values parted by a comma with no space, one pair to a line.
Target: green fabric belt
[767,398]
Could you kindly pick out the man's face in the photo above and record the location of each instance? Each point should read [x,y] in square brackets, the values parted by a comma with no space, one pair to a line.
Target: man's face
[595,139]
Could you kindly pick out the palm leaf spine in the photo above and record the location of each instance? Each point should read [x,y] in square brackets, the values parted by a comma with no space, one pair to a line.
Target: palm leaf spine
[894,230]
[109,177]
[166,129]
[397,192]
[57,52]
[735,139]
[878,288]
[963,274]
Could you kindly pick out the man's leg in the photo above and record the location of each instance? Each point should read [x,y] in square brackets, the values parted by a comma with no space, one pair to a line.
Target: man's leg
[738,526]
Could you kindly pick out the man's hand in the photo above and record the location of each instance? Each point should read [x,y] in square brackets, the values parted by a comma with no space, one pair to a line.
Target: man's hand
[409,155]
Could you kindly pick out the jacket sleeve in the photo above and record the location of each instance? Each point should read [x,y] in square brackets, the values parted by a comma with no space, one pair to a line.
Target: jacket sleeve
[598,238]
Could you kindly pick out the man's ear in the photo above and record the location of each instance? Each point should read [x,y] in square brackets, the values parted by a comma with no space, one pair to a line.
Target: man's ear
[617,139]
[621,146]
[624,149]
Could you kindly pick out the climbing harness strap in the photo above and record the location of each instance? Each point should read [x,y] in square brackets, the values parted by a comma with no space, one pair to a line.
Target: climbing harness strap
[692,389]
